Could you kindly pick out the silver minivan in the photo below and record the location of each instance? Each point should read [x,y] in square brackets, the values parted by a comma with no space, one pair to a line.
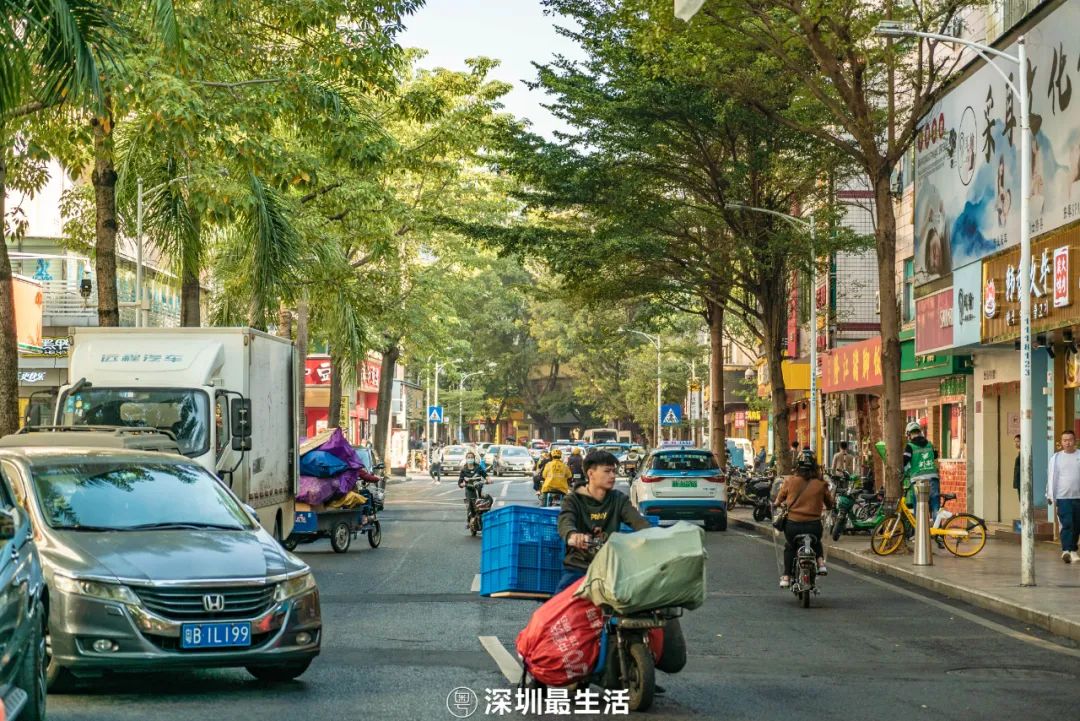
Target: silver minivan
[152,563]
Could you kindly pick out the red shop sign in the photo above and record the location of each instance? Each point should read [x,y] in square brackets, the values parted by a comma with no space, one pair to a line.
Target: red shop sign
[317,371]
[852,367]
[1061,277]
[934,322]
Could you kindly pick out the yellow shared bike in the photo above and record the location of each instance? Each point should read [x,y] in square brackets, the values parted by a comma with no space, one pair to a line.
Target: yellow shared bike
[962,534]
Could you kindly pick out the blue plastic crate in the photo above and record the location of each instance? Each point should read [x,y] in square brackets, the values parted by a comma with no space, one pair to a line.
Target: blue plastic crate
[521,550]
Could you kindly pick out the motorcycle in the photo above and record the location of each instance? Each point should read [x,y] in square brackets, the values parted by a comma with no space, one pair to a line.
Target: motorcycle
[552,499]
[738,480]
[630,465]
[804,570]
[760,492]
[857,509]
[477,505]
[626,659]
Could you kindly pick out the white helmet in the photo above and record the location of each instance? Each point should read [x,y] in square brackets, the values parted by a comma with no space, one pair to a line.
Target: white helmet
[913,427]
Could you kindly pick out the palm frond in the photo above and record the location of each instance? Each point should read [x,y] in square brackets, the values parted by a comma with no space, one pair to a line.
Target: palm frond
[68,42]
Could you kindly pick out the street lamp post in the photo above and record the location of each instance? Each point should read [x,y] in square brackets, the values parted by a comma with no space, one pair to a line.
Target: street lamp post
[142,312]
[659,376]
[1027,524]
[807,224]
[461,405]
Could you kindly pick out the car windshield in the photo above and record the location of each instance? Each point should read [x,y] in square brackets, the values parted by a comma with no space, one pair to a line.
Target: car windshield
[515,452]
[454,451]
[183,412]
[125,496]
[609,448]
[684,462]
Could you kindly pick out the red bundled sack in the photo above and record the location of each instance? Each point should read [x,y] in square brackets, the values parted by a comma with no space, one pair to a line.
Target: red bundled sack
[561,642]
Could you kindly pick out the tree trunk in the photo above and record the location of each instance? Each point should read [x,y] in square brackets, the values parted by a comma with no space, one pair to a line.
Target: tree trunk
[190,295]
[890,331]
[9,342]
[774,310]
[104,180]
[284,324]
[301,353]
[384,422]
[334,411]
[715,316]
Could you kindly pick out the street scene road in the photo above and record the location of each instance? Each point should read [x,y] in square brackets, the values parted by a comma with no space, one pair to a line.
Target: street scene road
[403,626]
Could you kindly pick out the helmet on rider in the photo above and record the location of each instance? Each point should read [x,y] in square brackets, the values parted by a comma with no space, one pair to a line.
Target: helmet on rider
[556,453]
[806,459]
[913,427]
[575,451]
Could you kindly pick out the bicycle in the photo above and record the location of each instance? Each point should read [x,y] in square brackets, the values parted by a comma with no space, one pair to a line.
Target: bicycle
[962,534]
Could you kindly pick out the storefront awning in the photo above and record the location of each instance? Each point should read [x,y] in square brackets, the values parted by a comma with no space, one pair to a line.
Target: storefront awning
[796,378]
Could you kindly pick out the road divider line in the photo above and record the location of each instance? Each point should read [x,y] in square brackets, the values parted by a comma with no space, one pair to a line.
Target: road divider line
[506,662]
[505,490]
[475,584]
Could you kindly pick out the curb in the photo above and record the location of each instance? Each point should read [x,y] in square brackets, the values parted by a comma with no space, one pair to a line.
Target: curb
[1051,622]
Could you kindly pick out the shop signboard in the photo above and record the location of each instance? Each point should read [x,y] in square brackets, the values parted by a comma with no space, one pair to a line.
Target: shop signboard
[1072,368]
[317,371]
[1003,285]
[967,179]
[28,313]
[368,376]
[793,318]
[852,367]
[967,302]
[934,322]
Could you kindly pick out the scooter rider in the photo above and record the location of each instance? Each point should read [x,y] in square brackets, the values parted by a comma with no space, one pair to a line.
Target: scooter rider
[594,509]
[576,466]
[920,462]
[469,472]
[538,477]
[556,477]
[806,496]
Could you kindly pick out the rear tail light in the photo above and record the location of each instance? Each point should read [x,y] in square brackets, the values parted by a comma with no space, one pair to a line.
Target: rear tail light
[648,479]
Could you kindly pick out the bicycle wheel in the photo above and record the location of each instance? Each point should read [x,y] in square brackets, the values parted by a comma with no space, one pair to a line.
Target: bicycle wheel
[965,535]
[888,536]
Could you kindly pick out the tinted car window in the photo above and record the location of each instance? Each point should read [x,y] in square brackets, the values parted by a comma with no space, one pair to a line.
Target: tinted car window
[684,462]
[111,495]
[516,452]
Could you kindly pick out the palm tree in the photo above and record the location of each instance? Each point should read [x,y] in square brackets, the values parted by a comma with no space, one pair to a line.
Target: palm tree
[53,52]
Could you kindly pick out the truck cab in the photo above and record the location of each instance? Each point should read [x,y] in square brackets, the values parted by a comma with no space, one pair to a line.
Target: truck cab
[227,395]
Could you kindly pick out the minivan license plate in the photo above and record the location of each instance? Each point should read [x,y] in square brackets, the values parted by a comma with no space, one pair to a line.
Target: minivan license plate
[684,484]
[215,635]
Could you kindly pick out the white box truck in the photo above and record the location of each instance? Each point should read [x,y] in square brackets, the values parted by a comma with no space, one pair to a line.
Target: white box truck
[228,395]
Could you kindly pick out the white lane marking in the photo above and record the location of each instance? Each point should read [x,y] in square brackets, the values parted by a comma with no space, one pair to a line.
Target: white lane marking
[507,664]
[425,503]
[505,490]
[475,584]
[953,610]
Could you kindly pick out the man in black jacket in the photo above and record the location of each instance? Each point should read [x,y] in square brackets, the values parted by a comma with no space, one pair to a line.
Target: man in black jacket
[595,509]
[577,467]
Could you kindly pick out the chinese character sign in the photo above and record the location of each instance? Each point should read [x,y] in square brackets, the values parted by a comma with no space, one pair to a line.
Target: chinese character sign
[317,371]
[967,183]
[1061,277]
[852,367]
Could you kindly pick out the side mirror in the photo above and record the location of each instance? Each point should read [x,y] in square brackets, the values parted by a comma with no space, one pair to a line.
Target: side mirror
[379,467]
[7,525]
[251,512]
[240,423]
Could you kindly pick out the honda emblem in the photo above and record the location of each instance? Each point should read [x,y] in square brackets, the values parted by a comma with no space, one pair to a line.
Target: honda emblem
[213,602]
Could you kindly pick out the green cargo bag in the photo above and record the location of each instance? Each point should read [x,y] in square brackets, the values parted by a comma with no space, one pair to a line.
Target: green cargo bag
[648,569]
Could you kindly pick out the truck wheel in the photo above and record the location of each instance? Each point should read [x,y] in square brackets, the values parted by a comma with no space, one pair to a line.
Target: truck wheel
[341,537]
[290,543]
[374,536]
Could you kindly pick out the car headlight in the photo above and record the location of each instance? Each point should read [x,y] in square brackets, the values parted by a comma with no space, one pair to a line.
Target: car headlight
[96,589]
[296,586]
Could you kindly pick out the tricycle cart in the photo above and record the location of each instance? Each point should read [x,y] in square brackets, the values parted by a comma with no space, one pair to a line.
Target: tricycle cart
[340,525]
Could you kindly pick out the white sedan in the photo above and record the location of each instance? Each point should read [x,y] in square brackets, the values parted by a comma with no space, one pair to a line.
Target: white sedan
[682,484]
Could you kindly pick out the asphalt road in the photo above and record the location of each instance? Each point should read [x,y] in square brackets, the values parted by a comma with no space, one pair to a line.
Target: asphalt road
[402,629]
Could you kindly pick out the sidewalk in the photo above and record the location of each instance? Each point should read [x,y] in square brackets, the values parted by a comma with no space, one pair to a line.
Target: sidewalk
[990,580]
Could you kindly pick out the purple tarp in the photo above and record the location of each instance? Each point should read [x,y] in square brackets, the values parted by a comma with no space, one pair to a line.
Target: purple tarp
[320,490]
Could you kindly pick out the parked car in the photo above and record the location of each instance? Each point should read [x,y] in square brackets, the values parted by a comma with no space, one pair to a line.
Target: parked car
[152,562]
[23,615]
[685,484]
[453,457]
[513,459]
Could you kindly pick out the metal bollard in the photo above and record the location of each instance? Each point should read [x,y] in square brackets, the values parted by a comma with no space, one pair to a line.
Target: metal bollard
[923,554]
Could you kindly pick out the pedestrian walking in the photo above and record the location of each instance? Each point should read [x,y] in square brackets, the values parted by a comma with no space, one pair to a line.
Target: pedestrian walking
[1016,467]
[796,454]
[843,461]
[1063,491]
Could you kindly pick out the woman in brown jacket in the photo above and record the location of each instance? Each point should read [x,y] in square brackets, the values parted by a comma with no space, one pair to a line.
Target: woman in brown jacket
[806,495]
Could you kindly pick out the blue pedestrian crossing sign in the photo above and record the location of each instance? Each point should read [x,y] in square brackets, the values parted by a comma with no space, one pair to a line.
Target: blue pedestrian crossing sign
[434,414]
[671,415]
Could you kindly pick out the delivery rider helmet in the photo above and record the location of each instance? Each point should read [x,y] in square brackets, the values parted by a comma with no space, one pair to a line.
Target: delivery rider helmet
[556,454]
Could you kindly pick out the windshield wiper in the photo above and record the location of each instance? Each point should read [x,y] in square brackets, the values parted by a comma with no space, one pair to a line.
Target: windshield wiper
[181,525]
[80,527]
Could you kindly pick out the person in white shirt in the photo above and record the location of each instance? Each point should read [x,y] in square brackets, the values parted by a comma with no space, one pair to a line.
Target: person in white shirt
[1063,490]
